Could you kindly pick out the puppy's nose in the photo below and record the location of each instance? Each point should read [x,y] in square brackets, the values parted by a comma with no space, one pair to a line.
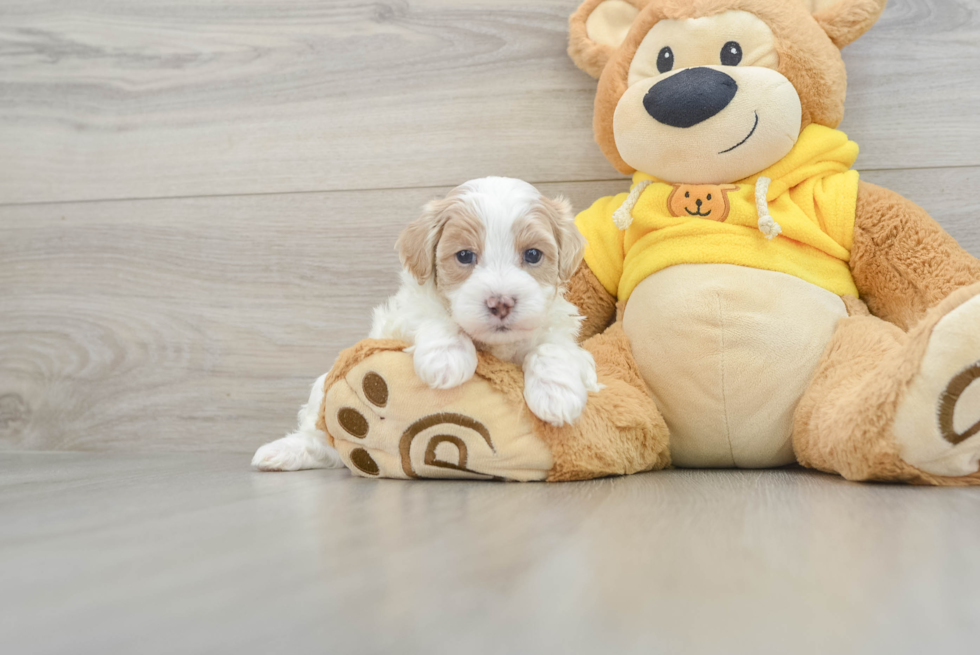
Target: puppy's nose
[689,97]
[500,306]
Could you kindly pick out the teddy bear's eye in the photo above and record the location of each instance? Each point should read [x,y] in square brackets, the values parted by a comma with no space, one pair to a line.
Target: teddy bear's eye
[709,196]
[731,54]
[665,60]
[687,194]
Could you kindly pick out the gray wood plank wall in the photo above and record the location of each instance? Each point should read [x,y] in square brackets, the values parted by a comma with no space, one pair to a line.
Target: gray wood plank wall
[198,200]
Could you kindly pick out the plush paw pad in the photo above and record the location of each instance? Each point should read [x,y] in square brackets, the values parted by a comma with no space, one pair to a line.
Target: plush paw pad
[959,406]
[386,422]
[937,425]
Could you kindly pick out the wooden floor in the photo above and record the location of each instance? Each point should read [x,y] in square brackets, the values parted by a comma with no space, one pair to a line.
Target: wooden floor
[194,553]
[198,203]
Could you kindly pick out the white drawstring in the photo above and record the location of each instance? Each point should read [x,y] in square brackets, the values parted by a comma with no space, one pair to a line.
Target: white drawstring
[767,225]
[623,217]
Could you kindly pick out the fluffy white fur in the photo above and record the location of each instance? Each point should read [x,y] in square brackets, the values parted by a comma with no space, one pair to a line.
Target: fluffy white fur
[540,332]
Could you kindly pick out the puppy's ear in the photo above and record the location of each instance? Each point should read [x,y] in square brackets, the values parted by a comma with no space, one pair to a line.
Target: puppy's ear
[571,243]
[417,243]
[845,20]
[597,28]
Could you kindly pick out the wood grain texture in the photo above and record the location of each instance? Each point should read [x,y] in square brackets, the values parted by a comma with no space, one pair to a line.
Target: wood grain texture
[121,99]
[191,323]
[110,553]
[198,324]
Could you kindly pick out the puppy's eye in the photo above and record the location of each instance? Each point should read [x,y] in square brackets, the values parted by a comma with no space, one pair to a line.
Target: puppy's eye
[532,255]
[665,60]
[466,257]
[731,54]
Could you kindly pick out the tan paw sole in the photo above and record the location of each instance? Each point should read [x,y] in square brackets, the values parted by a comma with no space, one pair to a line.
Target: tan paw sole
[937,425]
[387,423]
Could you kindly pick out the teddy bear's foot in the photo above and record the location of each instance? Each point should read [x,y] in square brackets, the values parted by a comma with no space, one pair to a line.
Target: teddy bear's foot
[937,425]
[382,419]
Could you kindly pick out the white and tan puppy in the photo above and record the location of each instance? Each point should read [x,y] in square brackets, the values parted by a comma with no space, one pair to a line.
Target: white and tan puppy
[484,269]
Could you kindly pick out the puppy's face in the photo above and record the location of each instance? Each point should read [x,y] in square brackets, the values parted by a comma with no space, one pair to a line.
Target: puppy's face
[497,252]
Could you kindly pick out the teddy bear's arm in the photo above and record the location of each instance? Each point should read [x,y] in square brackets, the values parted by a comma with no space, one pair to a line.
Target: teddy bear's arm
[902,261]
[593,301]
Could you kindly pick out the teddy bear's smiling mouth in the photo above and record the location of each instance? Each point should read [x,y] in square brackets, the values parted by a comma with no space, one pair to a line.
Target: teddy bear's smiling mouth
[751,132]
[697,213]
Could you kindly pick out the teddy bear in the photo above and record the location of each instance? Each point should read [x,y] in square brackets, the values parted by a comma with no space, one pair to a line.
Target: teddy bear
[750,302]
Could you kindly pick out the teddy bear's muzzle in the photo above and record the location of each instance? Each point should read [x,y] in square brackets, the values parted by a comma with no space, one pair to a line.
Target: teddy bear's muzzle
[689,97]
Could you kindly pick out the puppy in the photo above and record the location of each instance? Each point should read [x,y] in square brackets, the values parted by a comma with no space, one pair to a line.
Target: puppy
[484,269]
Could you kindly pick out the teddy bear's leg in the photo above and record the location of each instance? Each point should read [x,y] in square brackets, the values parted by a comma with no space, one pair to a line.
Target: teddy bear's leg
[890,405]
[621,430]
[385,422]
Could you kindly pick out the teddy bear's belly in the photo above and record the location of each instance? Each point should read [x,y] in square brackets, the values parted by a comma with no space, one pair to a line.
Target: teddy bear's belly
[727,352]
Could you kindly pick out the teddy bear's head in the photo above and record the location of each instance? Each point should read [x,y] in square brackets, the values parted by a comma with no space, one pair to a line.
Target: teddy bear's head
[713,91]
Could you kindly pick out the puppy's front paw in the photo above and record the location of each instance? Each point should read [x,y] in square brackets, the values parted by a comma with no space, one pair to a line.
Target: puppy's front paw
[446,364]
[554,390]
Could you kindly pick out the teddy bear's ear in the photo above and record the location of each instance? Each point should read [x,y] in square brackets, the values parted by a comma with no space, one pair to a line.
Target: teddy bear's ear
[597,28]
[845,20]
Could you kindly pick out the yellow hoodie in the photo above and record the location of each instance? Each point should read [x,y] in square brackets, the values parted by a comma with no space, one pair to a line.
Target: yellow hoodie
[812,197]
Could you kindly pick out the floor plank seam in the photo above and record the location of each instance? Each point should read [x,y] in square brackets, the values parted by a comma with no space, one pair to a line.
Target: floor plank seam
[41,203]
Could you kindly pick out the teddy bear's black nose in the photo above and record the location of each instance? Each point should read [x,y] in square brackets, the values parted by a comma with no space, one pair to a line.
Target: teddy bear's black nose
[689,97]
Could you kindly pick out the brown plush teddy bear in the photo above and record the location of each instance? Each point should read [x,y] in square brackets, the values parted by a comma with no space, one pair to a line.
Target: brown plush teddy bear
[749,303]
